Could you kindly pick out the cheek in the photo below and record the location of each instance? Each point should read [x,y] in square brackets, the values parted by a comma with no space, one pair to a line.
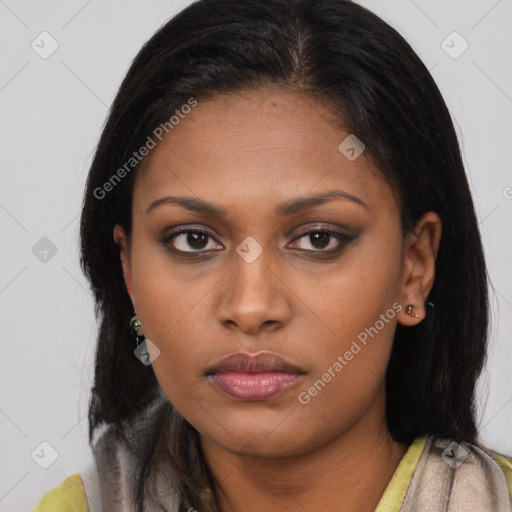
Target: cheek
[351,298]
[357,308]
[158,294]
[172,302]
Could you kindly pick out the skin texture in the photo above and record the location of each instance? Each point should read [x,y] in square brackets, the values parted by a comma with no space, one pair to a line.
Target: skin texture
[247,153]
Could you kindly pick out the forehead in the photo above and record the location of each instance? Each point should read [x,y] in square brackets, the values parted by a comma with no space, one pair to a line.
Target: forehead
[261,145]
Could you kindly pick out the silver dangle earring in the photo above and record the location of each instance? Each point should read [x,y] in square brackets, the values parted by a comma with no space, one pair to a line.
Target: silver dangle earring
[136,328]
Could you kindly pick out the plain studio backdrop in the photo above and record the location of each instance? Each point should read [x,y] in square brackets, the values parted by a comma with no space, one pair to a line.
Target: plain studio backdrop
[61,65]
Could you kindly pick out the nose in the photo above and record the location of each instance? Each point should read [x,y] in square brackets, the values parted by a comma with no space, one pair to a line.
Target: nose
[254,297]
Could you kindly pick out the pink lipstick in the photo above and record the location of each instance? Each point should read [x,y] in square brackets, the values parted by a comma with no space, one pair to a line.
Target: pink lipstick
[259,376]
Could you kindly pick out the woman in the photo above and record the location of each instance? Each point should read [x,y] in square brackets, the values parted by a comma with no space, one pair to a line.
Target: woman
[289,276]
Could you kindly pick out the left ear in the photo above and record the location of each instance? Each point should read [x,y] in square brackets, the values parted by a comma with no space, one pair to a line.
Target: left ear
[121,241]
[421,249]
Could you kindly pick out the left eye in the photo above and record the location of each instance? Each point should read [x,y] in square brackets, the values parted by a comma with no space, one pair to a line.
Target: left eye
[322,239]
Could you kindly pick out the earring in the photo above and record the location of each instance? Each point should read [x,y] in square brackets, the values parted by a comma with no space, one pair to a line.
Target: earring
[409,309]
[136,328]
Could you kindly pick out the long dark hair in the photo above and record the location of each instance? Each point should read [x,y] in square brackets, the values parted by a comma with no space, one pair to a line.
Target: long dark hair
[342,54]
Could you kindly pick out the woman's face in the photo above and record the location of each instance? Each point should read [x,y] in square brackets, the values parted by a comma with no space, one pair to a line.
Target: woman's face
[320,283]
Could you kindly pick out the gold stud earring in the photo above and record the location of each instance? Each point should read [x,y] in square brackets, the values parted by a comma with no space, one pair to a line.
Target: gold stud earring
[409,309]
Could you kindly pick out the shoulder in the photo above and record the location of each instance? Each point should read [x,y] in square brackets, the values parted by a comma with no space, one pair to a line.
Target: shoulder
[466,475]
[69,496]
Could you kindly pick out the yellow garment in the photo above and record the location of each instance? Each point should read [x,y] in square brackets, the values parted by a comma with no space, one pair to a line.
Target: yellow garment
[505,463]
[394,494]
[69,496]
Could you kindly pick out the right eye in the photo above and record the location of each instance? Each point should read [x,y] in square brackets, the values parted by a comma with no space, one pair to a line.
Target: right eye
[185,239]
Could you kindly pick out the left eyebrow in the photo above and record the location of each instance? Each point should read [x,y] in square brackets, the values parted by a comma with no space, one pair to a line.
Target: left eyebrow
[284,209]
[307,202]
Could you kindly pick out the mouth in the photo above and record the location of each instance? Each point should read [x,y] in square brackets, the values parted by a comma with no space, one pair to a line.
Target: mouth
[254,377]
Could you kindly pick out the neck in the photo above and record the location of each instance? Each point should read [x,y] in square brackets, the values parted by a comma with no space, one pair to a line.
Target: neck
[348,473]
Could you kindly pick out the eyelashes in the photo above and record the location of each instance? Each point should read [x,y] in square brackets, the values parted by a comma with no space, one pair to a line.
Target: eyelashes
[322,240]
[188,236]
[341,239]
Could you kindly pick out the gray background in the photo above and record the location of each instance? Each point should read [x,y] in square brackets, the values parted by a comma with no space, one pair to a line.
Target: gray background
[52,111]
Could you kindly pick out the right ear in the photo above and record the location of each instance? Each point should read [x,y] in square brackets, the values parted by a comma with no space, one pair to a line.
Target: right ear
[121,241]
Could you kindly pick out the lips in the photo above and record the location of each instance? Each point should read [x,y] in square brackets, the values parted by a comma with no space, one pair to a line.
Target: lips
[253,363]
[259,376]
